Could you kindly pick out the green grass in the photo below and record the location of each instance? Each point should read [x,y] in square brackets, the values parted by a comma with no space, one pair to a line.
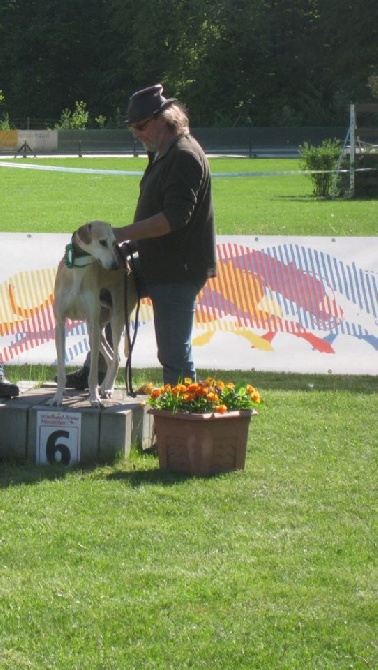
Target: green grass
[123,567]
[258,205]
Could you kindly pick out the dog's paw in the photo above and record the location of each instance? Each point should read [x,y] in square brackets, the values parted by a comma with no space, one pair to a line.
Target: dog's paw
[106,393]
[95,399]
[55,401]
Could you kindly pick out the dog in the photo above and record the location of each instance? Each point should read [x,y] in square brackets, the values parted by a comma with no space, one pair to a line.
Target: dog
[92,263]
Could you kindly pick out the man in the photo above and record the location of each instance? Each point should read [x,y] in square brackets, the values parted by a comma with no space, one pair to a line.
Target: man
[7,390]
[173,229]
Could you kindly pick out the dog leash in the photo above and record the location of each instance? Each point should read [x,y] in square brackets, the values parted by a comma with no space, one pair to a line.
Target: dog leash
[131,341]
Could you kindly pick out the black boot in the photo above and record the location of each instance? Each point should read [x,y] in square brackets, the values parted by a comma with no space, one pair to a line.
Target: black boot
[7,390]
[78,379]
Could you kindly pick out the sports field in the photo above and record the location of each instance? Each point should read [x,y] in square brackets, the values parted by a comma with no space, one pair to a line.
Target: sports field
[121,567]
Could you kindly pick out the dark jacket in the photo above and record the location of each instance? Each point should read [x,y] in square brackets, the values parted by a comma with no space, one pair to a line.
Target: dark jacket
[178,183]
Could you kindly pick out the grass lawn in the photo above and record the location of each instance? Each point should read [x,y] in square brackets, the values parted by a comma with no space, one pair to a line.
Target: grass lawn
[43,201]
[123,567]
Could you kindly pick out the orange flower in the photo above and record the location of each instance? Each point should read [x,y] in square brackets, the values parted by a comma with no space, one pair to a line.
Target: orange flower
[204,396]
[156,393]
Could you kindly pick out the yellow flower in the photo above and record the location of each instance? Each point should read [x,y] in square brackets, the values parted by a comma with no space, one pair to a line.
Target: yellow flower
[255,395]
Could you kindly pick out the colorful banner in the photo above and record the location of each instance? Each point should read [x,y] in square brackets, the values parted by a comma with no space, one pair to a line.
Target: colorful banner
[289,304]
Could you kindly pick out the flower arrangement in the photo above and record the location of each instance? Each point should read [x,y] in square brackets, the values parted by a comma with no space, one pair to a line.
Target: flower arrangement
[201,397]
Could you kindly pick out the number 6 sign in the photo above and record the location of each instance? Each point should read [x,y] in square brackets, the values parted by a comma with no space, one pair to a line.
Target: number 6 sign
[58,437]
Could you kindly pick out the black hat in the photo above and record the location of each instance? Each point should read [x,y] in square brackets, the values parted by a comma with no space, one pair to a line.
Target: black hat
[145,103]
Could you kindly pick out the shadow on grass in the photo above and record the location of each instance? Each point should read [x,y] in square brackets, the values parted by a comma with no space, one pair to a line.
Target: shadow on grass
[299,198]
[134,474]
[316,199]
[17,473]
[137,478]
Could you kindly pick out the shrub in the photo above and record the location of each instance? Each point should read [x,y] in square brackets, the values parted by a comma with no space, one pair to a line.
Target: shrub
[76,120]
[323,160]
[5,122]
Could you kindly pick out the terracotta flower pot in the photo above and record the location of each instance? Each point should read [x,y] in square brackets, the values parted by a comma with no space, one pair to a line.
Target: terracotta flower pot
[201,444]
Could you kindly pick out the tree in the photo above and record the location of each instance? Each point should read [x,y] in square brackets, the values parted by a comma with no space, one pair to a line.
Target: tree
[4,117]
[233,62]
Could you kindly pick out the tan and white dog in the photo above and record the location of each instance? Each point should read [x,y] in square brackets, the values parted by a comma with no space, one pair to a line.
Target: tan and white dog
[92,263]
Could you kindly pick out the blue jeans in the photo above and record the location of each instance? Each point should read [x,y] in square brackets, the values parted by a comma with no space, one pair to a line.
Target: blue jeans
[174,306]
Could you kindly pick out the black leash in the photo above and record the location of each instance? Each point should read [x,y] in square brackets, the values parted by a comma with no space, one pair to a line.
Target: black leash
[130,341]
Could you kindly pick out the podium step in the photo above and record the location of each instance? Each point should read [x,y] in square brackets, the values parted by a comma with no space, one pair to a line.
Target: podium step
[76,432]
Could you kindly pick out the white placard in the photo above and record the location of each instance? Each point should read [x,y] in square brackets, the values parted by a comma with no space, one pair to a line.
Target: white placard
[58,437]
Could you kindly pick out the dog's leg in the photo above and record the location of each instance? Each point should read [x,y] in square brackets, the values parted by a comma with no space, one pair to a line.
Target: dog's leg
[94,343]
[60,342]
[112,359]
[117,325]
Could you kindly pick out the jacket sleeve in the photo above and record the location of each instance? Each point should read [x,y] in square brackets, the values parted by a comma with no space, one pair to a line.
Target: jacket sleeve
[182,186]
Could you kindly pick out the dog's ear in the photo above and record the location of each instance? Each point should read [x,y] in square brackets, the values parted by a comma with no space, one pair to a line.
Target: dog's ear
[85,233]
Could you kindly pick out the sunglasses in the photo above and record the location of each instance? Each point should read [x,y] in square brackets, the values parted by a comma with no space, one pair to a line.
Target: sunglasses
[139,127]
[143,124]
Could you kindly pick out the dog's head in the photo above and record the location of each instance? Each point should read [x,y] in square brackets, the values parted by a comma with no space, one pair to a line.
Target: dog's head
[97,239]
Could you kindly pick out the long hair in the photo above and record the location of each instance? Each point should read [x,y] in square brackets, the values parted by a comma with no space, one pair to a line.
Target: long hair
[176,117]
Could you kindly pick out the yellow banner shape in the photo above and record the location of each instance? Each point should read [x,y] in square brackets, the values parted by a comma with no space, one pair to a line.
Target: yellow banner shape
[8,139]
